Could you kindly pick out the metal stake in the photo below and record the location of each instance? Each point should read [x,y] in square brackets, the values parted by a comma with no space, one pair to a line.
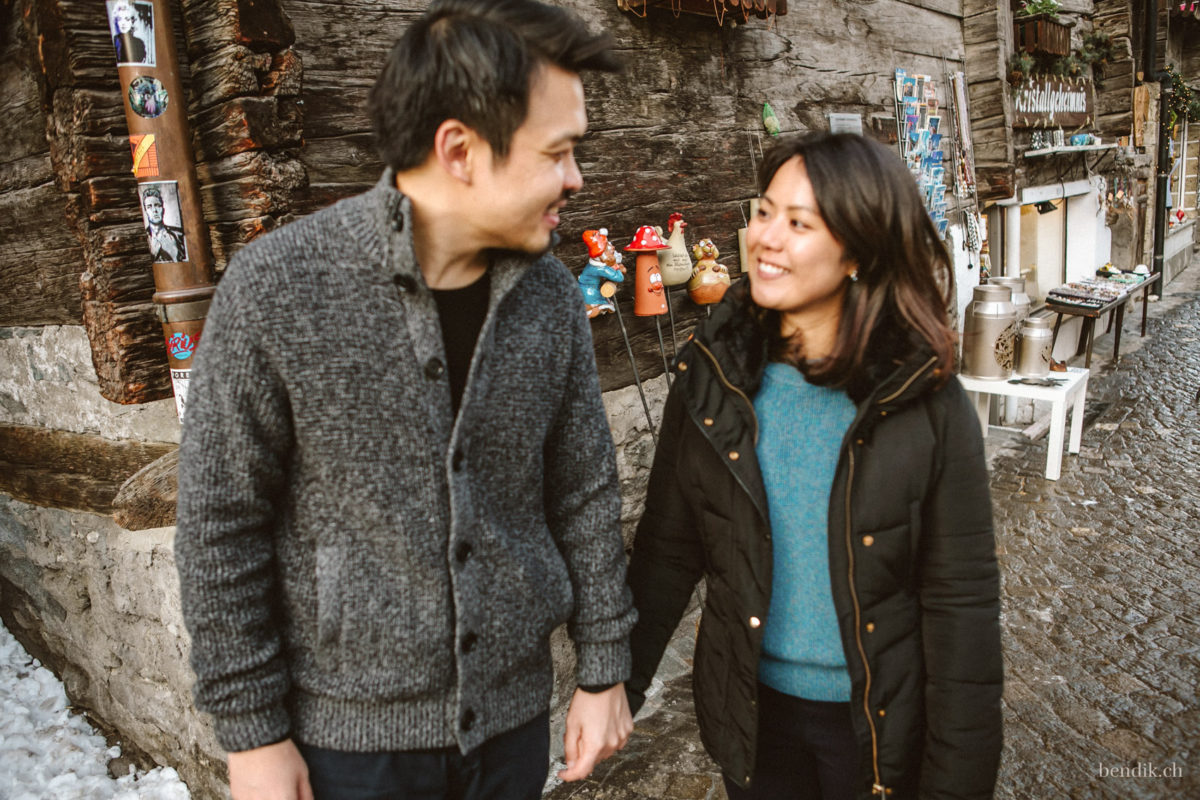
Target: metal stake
[608,289]
[662,350]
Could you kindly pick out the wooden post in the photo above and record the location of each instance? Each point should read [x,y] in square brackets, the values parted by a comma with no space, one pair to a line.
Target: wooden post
[168,193]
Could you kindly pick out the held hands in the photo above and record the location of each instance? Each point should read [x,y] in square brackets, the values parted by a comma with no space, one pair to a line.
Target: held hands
[274,772]
[598,725]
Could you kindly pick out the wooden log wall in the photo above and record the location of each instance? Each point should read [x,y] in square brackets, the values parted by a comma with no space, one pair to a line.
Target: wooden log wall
[987,36]
[41,258]
[276,91]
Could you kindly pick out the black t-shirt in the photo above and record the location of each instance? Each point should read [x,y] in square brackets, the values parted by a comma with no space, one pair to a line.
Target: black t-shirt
[461,312]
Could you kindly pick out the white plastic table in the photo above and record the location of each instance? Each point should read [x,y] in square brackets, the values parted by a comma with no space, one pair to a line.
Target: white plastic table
[1070,393]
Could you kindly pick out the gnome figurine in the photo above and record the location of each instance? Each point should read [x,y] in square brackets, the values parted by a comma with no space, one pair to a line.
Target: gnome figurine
[604,264]
[711,279]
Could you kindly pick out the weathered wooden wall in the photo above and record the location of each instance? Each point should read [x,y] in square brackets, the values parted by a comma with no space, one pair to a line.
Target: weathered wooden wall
[41,259]
[680,131]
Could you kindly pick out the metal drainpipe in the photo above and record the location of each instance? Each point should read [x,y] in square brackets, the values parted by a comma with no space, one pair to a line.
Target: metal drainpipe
[1161,172]
[161,146]
[1150,74]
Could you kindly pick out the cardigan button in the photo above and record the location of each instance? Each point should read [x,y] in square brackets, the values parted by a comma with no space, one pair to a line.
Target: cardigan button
[708,421]
[434,369]
[405,283]
[734,455]
[868,540]
[755,622]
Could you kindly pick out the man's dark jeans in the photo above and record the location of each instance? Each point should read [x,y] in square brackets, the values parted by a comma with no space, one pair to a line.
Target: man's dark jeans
[511,766]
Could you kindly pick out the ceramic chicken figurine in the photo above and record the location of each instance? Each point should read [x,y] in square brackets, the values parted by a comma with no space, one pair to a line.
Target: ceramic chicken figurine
[675,264]
[648,299]
[710,280]
[604,265]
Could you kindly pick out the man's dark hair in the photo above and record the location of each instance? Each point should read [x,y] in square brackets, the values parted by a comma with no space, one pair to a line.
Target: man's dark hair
[152,192]
[473,60]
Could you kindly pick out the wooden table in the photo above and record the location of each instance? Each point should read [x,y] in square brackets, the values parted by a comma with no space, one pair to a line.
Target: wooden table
[1070,393]
[1090,315]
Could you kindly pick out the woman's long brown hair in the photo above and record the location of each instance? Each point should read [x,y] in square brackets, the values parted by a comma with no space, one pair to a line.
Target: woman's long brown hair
[873,208]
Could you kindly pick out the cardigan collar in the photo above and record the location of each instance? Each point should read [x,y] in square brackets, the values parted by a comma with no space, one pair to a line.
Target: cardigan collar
[384,230]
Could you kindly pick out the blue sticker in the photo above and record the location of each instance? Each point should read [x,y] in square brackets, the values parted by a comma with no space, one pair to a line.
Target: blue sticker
[180,346]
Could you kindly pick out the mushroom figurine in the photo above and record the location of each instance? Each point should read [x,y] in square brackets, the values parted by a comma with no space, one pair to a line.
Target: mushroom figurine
[648,300]
[675,263]
[603,267]
[709,282]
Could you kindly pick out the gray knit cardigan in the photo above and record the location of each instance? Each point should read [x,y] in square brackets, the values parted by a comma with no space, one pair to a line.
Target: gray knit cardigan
[359,569]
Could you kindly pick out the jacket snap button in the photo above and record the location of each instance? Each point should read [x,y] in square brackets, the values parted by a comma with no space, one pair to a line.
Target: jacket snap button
[883,413]
[882,713]
[434,369]
[755,622]
[708,421]
[734,455]
[683,366]
[858,441]
[868,541]
[870,627]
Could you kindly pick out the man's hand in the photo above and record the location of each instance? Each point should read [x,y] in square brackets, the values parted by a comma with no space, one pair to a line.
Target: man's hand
[598,725]
[274,772]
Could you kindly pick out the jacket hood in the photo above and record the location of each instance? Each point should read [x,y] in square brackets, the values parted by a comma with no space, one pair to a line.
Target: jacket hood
[900,369]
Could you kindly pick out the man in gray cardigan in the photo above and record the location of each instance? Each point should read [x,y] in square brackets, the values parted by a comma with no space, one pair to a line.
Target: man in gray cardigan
[396,472]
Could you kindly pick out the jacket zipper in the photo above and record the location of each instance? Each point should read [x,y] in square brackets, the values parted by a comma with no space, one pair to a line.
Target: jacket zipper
[730,386]
[877,787]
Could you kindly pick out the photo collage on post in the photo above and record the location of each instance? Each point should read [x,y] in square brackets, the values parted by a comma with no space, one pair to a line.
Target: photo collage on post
[920,131]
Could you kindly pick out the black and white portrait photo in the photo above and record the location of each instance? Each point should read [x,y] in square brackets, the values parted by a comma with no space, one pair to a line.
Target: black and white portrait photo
[164,225]
[132,27]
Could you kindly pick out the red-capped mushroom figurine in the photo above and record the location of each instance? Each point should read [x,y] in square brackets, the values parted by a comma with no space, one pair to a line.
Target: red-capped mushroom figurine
[648,300]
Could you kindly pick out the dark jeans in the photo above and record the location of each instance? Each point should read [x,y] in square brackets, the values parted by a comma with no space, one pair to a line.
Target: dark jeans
[510,766]
[806,751]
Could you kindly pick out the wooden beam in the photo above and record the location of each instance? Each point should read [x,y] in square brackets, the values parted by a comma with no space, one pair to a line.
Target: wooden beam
[61,469]
[147,499]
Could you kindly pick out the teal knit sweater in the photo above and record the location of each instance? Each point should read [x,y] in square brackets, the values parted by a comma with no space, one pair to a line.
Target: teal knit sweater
[801,429]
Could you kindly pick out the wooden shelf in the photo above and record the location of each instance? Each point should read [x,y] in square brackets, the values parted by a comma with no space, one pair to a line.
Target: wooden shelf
[1081,148]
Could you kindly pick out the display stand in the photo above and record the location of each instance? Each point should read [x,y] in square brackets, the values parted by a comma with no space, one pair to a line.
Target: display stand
[1070,393]
[1090,314]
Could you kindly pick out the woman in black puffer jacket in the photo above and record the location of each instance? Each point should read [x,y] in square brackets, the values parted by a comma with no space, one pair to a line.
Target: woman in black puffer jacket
[824,473]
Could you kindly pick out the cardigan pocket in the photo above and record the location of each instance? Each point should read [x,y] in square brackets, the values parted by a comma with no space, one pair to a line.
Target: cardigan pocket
[329,565]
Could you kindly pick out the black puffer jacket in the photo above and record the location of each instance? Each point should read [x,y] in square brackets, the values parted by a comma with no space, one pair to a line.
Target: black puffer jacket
[911,555]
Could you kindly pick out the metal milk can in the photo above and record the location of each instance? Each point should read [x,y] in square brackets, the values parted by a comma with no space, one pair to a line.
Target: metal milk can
[1033,349]
[988,334]
[1020,299]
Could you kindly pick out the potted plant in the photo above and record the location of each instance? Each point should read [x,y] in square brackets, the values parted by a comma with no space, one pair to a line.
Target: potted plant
[1037,29]
[1069,66]
[1020,66]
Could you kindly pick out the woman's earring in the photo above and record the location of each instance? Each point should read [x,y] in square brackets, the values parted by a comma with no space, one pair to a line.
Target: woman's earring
[854,276]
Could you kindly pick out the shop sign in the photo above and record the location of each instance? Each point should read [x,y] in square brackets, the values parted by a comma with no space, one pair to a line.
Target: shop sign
[1044,102]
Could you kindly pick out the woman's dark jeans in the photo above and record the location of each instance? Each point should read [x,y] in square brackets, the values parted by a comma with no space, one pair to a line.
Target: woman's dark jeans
[806,751]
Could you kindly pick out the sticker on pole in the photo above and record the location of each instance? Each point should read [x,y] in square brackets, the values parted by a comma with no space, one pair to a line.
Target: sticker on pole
[179,382]
[147,97]
[180,346]
[145,155]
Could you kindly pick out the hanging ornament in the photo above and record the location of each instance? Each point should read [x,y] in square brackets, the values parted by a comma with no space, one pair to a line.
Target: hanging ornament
[770,121]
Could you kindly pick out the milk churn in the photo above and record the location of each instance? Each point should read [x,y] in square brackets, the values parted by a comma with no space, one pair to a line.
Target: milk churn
[1020,299]
[988,333]
[1033,349]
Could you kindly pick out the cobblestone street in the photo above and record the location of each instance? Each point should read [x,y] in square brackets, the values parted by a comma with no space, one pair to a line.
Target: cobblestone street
[1100,578]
